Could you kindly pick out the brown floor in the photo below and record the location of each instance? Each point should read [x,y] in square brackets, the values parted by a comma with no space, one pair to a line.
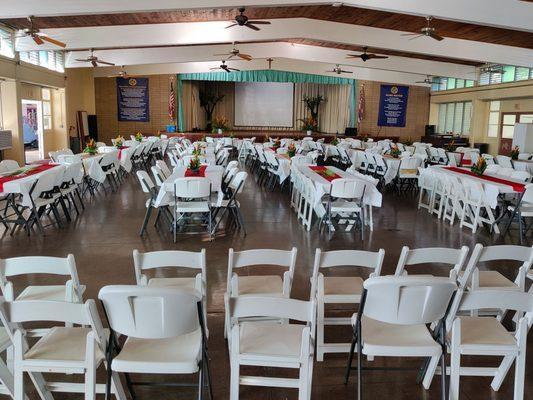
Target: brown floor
[103,237]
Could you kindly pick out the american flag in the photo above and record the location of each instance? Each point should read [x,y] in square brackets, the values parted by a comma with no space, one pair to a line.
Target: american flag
[361,105]
[171,102]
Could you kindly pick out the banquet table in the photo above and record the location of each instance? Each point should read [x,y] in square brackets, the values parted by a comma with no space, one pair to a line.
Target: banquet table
[393,166]
[124,155]
[212,172]
[22,183]
[372,196]
[284,169]
[493,184]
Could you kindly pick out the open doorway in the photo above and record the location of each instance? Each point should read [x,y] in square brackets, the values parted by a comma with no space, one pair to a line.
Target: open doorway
[32,127]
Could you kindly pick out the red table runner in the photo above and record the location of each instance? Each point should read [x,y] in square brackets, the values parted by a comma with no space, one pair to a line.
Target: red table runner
[33,171]
[517,187]
[463,161]
[120,151]
[200,173]
[325,173]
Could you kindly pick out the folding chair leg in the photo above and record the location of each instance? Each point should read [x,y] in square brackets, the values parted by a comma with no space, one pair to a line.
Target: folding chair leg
[18,376]
[146,218]
[320,331]
[90,383]
[503,369]
[519,375]
[350,357]
[359,364]
[201,379]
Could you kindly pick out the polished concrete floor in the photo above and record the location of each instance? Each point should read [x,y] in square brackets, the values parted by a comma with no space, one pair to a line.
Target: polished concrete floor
[103,236]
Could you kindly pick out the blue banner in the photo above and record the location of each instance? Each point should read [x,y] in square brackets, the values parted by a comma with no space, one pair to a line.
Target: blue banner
[393,105]
[133,99]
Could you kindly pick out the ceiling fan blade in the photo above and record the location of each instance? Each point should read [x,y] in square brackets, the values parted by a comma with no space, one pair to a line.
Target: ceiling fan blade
[246,57]
[37,39]
[411,34]
[417,36]
[53,41]
[435,36]
[233,69]
[259,22]
[376,57]
[213,69]
[81,59]
[255,28]
[227,70]
[346,72]
[230,26]
[94,63]
[353,56]
[105,62]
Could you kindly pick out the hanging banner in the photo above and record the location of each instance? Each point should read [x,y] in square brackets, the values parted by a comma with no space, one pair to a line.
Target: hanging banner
[393,105]
[133,99]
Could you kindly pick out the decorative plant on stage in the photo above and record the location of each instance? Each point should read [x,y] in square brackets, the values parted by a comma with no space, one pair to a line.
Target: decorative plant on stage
[514,153]
[291,150]
[208,102]
[139,137]
[91,147]
[219,123]
[119,142]
[313,104]
[479,167]
[308,124]
[194,164]
[395,151]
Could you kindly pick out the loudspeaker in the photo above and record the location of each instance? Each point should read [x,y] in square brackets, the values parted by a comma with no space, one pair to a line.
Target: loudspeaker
[350,132]
[430,130]
[93,127]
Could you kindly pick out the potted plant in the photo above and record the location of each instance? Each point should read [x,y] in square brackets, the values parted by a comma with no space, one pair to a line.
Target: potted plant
[335,141]
[479,167]
[194,164]
[313,104]
[119,142]
[395,151]
[308,125]
[90,147]
[219,125]
[208,101]
[514,153]
[291,150]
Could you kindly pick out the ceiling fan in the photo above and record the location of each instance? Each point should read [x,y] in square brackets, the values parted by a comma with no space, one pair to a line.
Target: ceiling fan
[339,71]
[242,20]
[366,56]
[122,74]
[37,36]
[95,61]
[236,53]
[428,80]
[224,67]
[427,30]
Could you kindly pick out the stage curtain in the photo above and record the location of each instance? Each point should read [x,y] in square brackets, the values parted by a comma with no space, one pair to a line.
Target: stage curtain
[191,105]
[336,89]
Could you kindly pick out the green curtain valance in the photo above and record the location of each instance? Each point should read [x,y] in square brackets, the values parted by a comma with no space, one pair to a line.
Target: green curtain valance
[267,75]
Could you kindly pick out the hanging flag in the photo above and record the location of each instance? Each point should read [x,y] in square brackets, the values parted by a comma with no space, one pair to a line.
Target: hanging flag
[361,105]
[171,102]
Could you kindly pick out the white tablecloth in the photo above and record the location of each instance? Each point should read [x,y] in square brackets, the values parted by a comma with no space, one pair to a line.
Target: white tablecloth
[284,169]
[92,168]
[213,172]
[23,185]
[524,165]
[124,155]
[393,166]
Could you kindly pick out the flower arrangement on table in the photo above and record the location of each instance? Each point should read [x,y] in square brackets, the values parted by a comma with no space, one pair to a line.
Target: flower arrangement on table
[139,137]
[196,151]
[308,124]
[267,139]
[90,147]
[364,137]
[219,124]
[291,150]
[514,153]
[335,141]
[450,146]
[194,164]
[119,142]
[479,167]
[395,151]
[276,144]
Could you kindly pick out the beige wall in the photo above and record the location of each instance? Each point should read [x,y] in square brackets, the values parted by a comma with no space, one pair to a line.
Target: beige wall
[79,96]
[106,108]
[416,118]
[516,96]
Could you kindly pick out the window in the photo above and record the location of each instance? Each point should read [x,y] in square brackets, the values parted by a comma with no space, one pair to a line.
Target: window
[504,74]
[508,125]
[6,43]
[53,60]
[455,117]
[446,83]
[47,108]
[494,119]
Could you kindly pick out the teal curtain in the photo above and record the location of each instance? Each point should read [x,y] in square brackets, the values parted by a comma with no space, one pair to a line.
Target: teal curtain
[267,75]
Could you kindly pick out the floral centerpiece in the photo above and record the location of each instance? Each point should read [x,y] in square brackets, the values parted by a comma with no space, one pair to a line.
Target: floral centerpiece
[514,153]
[276,144]
[219,125]
[479,167]
[450,146]
[364,137]
[194,164]
[291,150]
[90,147]
[139,137]
[119,142]
[308,124]
[196,151]
[335,141]
[395,151]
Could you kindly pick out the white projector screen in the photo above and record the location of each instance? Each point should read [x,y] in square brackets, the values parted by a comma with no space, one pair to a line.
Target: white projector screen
[264,104]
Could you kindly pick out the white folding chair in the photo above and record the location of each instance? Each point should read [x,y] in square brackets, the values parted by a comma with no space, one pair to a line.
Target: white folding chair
[339,289]
[165,333]
[8,165]
[66,350]
[504,161]
[345,203]
[164,168]
[392,320]
[271,344]
[232,205]
[474,202]
[261,284]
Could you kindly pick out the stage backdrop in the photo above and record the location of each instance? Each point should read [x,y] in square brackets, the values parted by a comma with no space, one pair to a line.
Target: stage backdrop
[336,113]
